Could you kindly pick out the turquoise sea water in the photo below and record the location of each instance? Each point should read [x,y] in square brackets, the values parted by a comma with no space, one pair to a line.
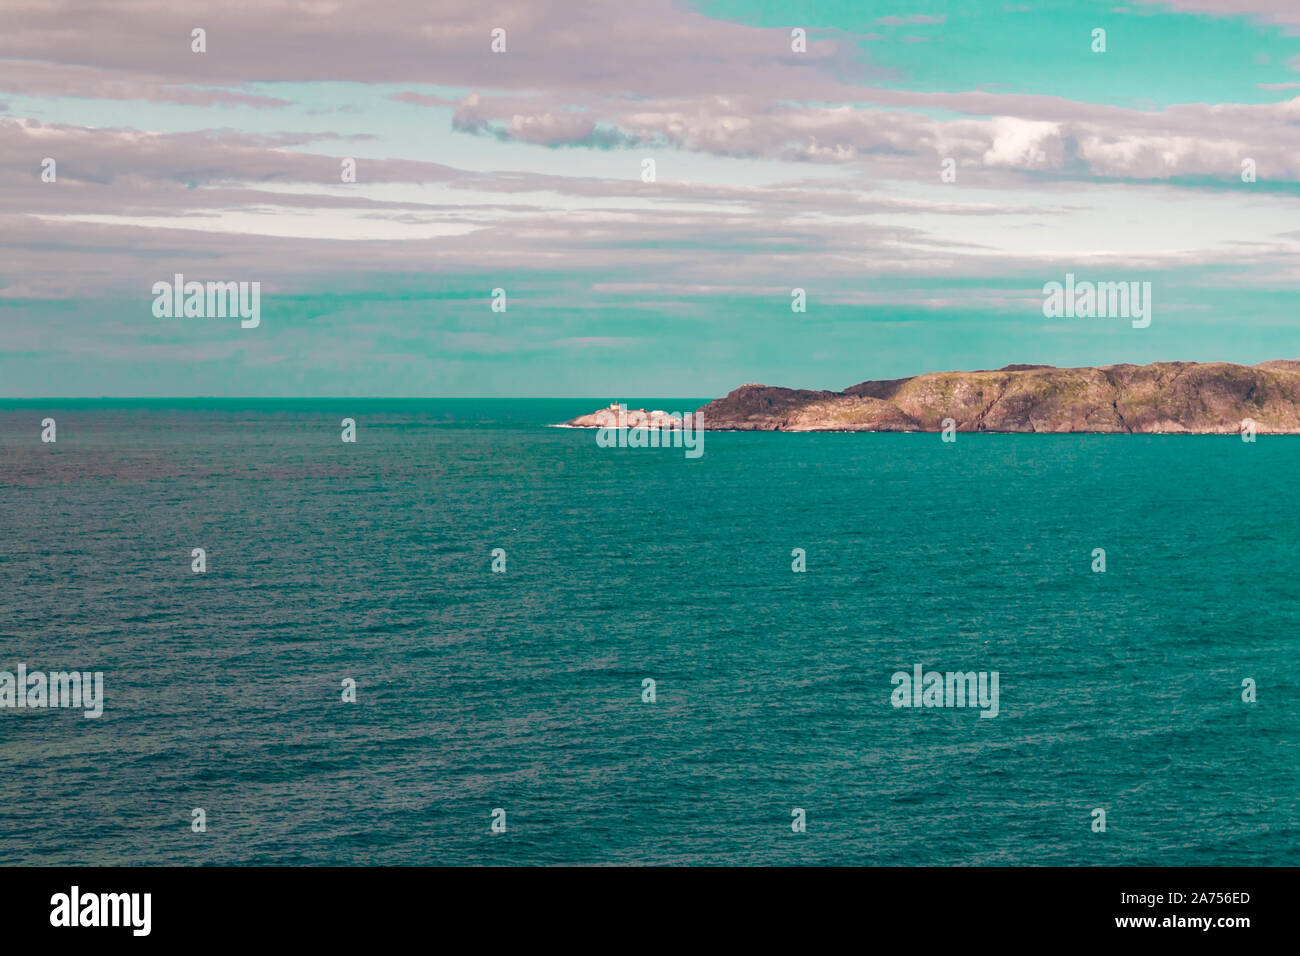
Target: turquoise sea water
[522,690]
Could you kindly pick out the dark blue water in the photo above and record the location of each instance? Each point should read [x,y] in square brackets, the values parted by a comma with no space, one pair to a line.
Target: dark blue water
[522,690]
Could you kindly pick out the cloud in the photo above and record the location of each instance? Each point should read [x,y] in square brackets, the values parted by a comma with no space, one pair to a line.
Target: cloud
[1024,134]
[1023,144]
[649,48]
[894,21]
[612,76]
[46,79]
[544,128]
[131,205]
[1282,12]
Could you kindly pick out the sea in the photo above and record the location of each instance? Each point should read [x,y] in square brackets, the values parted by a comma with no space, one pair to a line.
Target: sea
[495,596]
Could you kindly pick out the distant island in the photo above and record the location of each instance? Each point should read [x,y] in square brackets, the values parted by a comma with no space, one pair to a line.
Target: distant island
[1214,398]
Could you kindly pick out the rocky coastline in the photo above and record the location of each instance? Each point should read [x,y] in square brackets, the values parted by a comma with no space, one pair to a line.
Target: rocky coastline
[1211,398]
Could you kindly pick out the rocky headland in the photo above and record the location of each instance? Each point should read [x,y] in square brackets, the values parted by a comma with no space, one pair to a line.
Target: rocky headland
[1212,398]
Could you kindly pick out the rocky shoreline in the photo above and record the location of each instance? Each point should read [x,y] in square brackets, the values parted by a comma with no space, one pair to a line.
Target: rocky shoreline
[1214,398]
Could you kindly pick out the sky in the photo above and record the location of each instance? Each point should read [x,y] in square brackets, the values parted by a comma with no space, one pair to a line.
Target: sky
[919,170]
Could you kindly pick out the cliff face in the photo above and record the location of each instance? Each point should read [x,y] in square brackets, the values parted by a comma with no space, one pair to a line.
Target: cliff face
[1174,397]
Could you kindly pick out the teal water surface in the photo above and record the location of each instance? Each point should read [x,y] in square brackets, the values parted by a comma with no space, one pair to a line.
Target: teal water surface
[522,690]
